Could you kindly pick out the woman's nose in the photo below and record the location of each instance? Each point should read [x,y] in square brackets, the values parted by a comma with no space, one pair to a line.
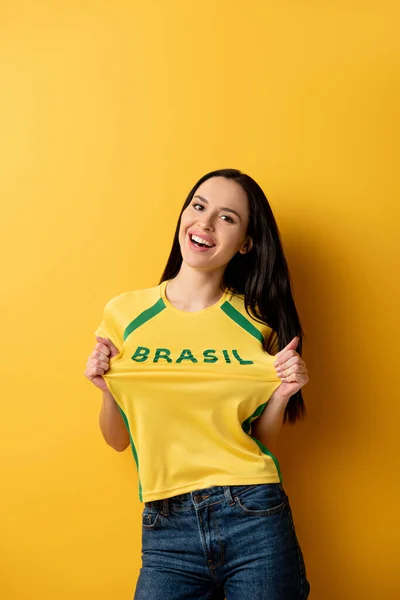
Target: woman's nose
[206,223]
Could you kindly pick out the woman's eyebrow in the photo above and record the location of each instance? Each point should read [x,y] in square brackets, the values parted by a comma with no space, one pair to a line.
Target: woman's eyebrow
[222,207]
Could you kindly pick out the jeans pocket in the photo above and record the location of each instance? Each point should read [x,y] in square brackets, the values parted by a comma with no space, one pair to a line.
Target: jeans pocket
[261,499]
[150,516]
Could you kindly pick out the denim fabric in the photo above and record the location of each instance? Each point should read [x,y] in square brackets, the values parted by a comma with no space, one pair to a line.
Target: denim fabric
[236,542]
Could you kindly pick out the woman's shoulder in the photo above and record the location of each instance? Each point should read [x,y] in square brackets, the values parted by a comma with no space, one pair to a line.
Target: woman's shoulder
[238,303]
[140,298]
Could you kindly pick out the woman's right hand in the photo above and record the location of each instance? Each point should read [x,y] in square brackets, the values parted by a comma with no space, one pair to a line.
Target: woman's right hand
[99,362]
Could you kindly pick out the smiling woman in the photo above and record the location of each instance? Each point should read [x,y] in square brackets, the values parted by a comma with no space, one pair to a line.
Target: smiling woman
[218,215]
[193,377]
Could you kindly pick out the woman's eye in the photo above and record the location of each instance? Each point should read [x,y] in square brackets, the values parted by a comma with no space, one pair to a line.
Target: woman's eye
[229,219]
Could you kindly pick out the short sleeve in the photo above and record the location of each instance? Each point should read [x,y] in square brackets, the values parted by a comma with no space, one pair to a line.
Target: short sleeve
[108,327]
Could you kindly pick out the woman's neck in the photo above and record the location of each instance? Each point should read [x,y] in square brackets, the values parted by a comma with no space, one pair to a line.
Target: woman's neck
[193,290]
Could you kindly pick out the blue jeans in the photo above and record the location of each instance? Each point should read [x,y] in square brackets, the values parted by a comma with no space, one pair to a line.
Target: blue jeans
[234,541]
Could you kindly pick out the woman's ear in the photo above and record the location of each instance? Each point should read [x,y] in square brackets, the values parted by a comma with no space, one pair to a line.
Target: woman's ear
[247,246]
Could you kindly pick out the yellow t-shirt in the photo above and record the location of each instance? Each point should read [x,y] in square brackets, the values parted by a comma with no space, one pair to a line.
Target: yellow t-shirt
[188,386]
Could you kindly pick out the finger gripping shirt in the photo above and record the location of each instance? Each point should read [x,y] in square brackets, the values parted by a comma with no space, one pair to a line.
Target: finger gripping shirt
[188,386]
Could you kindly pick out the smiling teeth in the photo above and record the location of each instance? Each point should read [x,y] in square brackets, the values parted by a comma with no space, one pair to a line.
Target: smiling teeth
[196,238]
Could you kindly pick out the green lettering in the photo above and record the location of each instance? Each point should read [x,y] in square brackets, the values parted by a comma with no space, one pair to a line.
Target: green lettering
[242,362]
[208,358]
[141,354]
[186,354]
[162,353]
[226,355]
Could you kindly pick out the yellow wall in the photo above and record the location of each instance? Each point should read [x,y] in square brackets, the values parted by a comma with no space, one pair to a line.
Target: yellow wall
[109,113]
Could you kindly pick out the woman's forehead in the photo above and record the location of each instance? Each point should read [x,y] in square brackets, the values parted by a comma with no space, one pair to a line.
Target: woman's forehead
[222,191]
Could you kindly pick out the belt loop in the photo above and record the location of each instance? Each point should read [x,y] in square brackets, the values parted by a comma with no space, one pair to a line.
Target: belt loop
[165,507]
[228,495]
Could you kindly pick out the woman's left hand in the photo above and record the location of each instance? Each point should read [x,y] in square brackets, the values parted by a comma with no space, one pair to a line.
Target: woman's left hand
[291,369]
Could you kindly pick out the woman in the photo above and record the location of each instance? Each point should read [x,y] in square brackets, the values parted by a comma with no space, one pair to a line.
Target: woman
[198,374]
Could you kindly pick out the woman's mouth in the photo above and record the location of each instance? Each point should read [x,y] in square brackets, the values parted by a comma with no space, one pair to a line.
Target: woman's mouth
[199,244]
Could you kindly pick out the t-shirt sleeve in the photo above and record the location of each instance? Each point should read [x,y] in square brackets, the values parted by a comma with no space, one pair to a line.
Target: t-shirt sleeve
[108,326]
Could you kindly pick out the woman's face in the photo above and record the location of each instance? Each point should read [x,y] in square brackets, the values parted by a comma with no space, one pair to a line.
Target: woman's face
[218,214]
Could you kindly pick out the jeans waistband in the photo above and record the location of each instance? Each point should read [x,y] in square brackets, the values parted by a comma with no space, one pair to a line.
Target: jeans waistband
[199,498]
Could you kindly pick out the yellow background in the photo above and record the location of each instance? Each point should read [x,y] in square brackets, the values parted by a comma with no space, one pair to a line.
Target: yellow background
[109,113]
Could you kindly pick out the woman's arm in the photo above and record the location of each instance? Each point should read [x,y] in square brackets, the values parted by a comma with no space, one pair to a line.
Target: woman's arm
[112,424]
[268,425]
